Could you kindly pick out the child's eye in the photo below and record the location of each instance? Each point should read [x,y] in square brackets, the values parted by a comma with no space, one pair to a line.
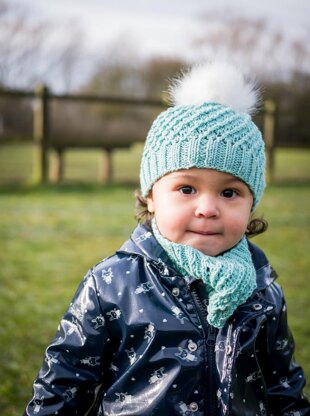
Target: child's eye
[187,190]
[229,193]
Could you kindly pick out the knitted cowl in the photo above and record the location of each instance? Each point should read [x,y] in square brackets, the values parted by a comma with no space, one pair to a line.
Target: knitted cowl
[230,277]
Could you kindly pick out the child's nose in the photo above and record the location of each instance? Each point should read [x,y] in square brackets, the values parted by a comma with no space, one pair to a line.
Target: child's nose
[207,207]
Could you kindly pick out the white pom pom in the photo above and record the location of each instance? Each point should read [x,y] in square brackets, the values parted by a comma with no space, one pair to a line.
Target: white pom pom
[219,82]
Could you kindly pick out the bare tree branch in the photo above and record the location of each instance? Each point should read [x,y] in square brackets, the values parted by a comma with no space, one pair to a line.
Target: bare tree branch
[33,51]
[252,42]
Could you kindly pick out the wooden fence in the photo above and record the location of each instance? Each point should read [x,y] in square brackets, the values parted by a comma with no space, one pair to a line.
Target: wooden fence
[41,130]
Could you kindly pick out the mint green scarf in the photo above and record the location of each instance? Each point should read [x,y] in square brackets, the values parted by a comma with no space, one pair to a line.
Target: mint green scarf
[230,277]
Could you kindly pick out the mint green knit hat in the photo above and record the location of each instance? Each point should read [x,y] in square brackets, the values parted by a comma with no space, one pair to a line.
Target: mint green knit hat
[209,126]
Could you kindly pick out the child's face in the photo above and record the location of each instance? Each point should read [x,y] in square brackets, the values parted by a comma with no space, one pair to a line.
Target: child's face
[203,208]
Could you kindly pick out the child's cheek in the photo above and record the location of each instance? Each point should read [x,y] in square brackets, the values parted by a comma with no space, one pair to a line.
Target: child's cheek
[173,226]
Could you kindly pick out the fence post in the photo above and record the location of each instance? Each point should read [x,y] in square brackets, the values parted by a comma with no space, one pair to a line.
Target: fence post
[106,171]
[269,136]
[40,134]
[57,168]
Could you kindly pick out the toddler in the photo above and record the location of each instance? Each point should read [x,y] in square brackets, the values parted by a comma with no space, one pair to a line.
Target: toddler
[185,318]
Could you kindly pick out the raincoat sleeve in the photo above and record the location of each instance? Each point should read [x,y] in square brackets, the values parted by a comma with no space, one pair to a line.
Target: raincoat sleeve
[77,359]
[285,377]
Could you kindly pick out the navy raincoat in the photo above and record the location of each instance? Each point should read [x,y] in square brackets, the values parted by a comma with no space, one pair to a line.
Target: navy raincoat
[135,341]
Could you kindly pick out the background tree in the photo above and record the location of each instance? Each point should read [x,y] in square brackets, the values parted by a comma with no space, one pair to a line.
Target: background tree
[33,51]
[255,44]
[117,76]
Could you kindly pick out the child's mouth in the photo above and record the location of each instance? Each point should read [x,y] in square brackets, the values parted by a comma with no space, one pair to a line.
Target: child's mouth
[207,233]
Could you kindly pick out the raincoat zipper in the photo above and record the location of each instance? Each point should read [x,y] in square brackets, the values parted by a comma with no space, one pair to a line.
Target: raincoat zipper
[210,334]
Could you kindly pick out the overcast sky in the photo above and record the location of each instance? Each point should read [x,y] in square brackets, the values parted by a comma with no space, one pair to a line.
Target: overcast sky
[163,27]
[166,25]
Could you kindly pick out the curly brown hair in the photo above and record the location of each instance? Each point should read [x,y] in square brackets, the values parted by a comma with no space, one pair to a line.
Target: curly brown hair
[255,226]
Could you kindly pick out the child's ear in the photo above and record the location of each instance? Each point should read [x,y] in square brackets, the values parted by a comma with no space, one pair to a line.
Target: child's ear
[150,203]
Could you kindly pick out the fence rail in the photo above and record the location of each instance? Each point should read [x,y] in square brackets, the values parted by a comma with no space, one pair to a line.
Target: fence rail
[42,97]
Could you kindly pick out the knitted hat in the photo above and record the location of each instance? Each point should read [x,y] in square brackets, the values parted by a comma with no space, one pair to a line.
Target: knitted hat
[209,126]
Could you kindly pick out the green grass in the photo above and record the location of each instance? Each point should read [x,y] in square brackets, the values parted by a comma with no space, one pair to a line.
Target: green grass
[50,235]
[286,243]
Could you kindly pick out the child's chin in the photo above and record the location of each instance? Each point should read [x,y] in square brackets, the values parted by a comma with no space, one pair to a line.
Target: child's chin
[208,251]
[210,248]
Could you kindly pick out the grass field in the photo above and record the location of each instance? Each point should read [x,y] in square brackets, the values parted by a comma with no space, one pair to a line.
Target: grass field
[50,235]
